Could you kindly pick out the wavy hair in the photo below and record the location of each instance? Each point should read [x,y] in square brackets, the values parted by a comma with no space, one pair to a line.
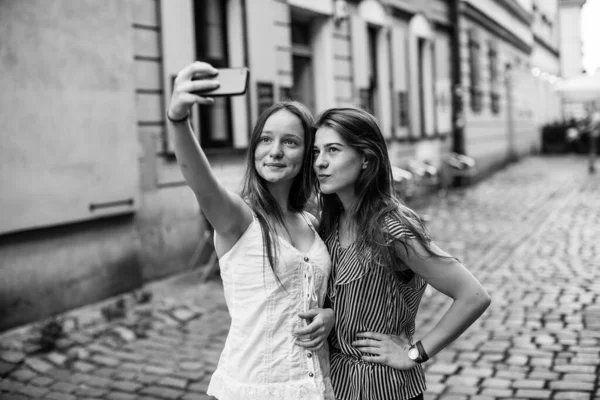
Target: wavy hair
[376,198]
[254,189]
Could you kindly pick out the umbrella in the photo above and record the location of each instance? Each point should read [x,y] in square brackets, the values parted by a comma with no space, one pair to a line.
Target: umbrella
[580,88]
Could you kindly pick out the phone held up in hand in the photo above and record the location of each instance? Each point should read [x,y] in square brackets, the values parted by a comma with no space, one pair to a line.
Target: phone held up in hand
[232,81]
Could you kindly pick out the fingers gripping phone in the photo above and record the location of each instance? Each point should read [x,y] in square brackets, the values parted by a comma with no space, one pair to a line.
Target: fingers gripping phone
[232,81]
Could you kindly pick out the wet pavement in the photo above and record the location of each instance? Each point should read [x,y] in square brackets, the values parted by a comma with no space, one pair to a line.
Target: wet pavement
[530,233]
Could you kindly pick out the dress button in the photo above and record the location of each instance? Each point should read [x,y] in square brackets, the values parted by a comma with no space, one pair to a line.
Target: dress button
[311,374]
[309,355]
[306,259]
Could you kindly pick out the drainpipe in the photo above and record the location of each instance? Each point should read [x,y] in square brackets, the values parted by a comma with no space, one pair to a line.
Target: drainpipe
[458,119]
[247,64]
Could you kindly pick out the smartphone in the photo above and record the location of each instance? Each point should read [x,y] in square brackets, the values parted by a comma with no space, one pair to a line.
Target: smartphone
[233,82]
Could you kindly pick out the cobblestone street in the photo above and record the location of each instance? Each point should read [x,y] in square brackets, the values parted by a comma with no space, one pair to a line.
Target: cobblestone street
[529,233]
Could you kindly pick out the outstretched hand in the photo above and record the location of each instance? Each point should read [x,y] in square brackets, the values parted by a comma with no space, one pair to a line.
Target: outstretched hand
[384,349]
[198,76]
[320,323]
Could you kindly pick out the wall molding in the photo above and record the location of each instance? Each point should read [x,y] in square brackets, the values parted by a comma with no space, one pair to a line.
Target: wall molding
[477,16]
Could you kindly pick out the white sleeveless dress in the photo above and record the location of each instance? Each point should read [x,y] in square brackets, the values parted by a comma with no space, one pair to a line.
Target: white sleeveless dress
[260,360]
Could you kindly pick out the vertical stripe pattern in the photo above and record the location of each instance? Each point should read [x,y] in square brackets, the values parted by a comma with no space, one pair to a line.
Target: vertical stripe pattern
[367,297]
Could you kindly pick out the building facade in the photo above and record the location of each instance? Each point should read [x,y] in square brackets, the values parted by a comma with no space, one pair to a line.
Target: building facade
[93,202]
[571,48]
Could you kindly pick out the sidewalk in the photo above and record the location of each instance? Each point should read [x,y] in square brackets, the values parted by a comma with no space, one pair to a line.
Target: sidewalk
[530,233]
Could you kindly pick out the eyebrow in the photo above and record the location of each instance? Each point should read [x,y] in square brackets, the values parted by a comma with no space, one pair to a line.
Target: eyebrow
[285,134]
[332,144]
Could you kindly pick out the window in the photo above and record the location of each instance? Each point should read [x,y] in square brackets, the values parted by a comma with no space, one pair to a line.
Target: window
[494,90]
[475,71]
[302,63]
[368,98]
[211,46]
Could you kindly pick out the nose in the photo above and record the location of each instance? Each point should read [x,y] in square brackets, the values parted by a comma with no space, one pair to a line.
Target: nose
[276,150]
[320,161]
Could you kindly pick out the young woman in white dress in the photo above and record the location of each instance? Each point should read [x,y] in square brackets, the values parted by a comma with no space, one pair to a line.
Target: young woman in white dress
[273,264]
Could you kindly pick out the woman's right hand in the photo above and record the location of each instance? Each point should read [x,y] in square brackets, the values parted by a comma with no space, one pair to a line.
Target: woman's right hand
[197,76]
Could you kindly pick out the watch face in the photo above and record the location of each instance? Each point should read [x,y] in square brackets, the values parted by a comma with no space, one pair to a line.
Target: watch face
[413,353]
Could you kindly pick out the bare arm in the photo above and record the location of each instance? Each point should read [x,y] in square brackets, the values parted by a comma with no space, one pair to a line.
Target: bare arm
[454,280]
[226,211]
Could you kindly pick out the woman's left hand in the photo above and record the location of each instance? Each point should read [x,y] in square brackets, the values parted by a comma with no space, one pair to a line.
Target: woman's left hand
[320,323]
[384,349]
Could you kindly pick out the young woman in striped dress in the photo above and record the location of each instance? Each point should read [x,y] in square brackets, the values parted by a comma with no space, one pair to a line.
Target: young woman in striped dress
[382,259]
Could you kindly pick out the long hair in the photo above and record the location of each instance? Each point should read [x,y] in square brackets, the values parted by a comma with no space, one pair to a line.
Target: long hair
[254,189]
[376,198]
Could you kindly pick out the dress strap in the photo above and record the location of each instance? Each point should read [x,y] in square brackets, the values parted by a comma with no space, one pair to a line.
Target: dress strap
[303,214]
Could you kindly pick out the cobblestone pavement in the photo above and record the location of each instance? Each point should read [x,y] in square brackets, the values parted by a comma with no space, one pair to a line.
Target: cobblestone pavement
[530,233]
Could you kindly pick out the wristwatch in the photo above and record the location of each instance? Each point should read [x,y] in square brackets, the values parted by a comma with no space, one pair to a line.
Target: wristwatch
[417,353]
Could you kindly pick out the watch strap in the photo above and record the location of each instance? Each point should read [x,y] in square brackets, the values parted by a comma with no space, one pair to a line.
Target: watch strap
[422,354]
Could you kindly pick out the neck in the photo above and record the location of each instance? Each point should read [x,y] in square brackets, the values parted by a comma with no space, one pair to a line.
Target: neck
[348,199]
[281,193]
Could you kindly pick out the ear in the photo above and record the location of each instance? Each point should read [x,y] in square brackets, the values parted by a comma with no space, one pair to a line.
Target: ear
[365,163]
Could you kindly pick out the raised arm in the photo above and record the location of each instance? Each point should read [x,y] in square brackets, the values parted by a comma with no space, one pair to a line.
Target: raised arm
[226,211]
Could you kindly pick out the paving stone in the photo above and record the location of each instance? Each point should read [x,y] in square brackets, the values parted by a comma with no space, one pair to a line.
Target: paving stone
[464,390]
[14,396]
[162,392]
[517,360]
[38,364]
[534,394]
[575,369]
[121,396]
[12,356]
[41,381]
[441,368]
[201,387]
[34,392]
[458,380]
[580,377]
[84,391]
[157,370]
[453,397]
[173,382]
[482,372]
[105,360]
[126,386]
[63,387]
[57,358]
[23,375]
[436,388]
[6,368]
[529,384]
[572,396]
[572,386]
[515,375]
[496,392]
[59,396]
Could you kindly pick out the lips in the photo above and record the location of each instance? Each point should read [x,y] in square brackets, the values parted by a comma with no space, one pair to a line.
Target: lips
[276,165]
[323,177]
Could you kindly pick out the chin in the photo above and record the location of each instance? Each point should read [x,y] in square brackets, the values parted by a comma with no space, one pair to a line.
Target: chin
[327,190]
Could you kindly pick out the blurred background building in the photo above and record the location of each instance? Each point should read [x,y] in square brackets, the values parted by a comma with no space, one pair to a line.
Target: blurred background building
[92,200]
[571,60]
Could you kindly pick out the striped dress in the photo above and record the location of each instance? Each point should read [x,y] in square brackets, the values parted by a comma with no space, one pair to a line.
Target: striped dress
[368,298]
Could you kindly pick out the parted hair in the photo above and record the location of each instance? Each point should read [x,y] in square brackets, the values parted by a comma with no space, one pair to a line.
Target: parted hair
[254,190]
[376,198]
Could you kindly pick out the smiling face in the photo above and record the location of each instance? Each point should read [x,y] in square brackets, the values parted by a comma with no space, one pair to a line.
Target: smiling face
[337,164]
[279,152]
